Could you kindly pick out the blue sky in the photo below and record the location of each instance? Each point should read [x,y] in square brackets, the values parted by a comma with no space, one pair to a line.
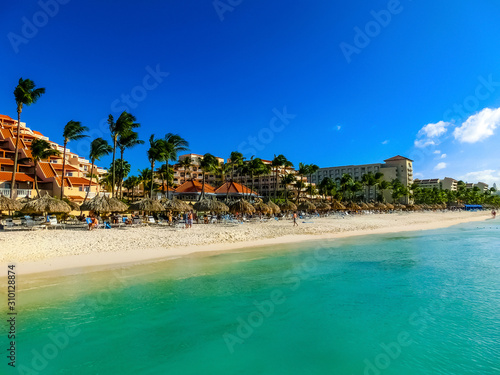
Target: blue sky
[322,82]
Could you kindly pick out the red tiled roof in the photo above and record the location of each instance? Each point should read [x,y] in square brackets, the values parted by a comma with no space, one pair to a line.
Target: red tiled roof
[397,157]
[20,177]
[7,161]
[170,188]
[78,181]
[47,169]
[37,133]
[5,117]
[194,187]
[234,188]
[59,167]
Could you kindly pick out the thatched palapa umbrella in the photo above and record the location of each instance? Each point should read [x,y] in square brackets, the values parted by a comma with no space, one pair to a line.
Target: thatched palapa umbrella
[389,206]
[241,206]
[288,206]
[262,207]
[323,206]
[206,205]
[306,206]
[46,204]
[364,206]
[7,204]
[337,206]
[148,205]
[273,206]
[103,203]
[176,205]
[351,206]
[380,206]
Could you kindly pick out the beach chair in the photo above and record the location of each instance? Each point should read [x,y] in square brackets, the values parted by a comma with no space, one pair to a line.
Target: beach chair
[52,223]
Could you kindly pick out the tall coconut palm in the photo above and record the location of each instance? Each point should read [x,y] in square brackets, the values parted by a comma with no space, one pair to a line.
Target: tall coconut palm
[155,153]
[122,168]
[346,182]
[166,173]
[73,131]
[279,161]
[99,147]
[123,124]
[25,93]
[186,164]
[383,186]
[236,161]
[143,178]
[313,168]
[173,144]
[130,184]
[127,139]
[41,150]
[208,164]
[287,179]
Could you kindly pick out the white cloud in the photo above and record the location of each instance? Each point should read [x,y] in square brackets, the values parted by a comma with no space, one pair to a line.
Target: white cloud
[339,127]
[478,127]
[421,143]
[440,166]
[418,175]
[437,152]
[489,176]
[434,130]
[385,142]
[443,156]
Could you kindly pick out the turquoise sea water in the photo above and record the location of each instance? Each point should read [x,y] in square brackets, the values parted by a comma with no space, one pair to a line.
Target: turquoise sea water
[413,303]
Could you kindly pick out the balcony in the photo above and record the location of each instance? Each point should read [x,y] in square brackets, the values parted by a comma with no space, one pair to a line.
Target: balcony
[20,192]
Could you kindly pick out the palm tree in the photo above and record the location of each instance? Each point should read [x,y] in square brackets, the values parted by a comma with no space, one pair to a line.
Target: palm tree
[254,167]
[41,150]
[377,179]
[313,168]
[277,162]
[127,139]
[73,131]
[123,124]
[143,178]
[311,190]
[384,185]
[130,184]
[346,182]
[287,179]
[236,161]
[25,93]
[122,169]
[155,153]
[186,164]
[208,164]
[99,147]
[166,173]
[300,185]
[173,144]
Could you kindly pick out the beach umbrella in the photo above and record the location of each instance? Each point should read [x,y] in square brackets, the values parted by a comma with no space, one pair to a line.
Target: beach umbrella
[74,206]
[241,206]
[307,206]
[353,206]
[364,206]
[371,206]
[273,206]
[288,206]
[46,204]
[148,205]
[389,206]
[103,203]
[24,200]
[337,206]
[176,205]
[210,205]
[323,206]
[262,207]
[380,206]
[7,204]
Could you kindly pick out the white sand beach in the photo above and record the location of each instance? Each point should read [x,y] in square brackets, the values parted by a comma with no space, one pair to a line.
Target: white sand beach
[71,249]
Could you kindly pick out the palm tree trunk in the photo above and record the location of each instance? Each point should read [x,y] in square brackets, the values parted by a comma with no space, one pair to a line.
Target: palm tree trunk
[167,180]
[122,150]
[203,187]
[113,164]
[63,169]
[152,179]
[90,182]
[36,180]
[276,183]
[13,182]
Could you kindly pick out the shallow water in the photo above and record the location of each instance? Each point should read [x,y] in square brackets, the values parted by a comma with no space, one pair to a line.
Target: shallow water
[412,303]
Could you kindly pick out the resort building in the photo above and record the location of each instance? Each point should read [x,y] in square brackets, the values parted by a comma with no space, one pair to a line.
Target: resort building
[397,167]
[48,172]
[447,183]
[481,185]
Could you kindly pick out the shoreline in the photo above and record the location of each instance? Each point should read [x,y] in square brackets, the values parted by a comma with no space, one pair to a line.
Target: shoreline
[101,260]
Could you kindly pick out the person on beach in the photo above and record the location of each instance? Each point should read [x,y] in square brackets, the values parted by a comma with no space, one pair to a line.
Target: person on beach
[169,217]
[494,214]
[295,219]
[190,219]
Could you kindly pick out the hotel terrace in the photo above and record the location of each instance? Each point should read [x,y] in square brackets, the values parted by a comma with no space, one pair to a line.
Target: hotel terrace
[48,172]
